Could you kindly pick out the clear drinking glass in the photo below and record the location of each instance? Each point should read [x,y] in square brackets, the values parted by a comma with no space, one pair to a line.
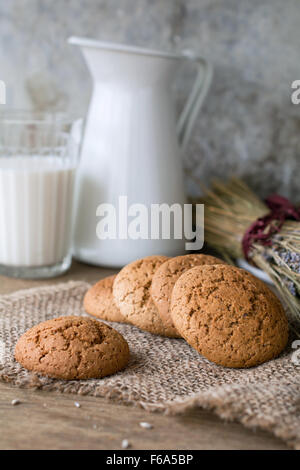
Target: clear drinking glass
[38,160]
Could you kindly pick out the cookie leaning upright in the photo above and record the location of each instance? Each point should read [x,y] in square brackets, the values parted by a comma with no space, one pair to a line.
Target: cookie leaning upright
[72,348]
[99,301]
[165,277]
[132,295]
[229,316]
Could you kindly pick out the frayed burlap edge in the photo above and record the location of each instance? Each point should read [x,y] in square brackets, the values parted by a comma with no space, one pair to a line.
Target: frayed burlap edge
[202,401]
[237,414]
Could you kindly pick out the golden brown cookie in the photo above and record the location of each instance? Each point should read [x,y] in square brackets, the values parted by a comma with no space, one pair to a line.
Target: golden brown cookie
[165,277]
[72,348]
[99,301]
[132,295]
[229,316]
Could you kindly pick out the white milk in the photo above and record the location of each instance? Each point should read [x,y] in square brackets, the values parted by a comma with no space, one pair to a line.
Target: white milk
[35,210]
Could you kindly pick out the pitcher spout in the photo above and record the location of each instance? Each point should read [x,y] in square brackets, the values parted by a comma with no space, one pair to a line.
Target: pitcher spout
[110,62]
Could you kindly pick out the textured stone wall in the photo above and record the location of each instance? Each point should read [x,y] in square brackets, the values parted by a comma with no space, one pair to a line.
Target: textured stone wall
[248,125]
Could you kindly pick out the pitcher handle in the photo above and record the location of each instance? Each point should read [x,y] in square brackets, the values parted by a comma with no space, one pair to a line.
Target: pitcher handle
[195,100]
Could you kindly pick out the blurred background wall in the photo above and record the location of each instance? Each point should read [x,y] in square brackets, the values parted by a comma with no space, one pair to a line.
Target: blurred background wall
[248,125]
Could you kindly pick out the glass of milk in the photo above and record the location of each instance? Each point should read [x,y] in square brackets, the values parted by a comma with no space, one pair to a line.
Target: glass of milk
[38,160]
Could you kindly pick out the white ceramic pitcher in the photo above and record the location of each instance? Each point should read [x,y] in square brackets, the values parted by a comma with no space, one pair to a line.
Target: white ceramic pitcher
[131,144]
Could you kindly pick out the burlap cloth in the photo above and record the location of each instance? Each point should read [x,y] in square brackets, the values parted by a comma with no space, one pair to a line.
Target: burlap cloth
[163,374]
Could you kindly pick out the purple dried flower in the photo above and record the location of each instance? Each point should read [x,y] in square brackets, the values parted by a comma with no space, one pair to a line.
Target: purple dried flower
[291,286]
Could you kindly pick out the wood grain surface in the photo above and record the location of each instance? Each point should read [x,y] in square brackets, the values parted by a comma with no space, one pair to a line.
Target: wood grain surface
[45,420]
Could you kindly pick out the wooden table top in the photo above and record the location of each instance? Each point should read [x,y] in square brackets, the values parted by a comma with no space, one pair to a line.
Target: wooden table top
[46,420]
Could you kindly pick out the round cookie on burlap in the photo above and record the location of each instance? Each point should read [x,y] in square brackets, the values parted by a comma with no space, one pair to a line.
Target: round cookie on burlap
[229,316]
[72,348]
[132,295]
[99,301]
[165,277]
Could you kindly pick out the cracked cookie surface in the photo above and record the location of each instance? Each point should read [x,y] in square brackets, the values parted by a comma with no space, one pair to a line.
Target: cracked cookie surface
[164,280]
[99,301]
[229,316]
[72,348]
[132,295]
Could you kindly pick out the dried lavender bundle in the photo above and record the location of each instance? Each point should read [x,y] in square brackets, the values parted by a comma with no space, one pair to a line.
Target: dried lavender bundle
[230,209]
